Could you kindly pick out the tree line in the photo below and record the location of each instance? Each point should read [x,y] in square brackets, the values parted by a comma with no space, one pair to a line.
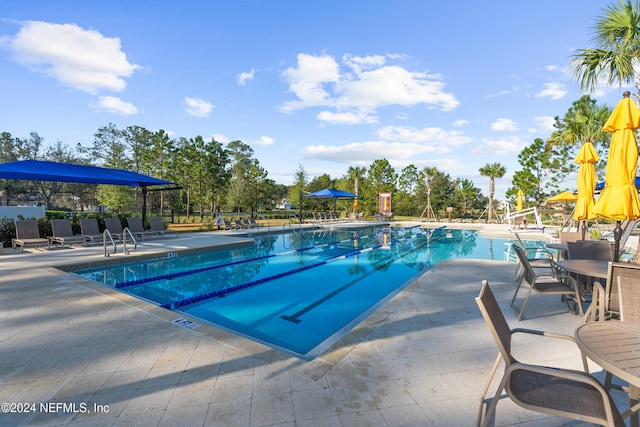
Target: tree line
[214,177]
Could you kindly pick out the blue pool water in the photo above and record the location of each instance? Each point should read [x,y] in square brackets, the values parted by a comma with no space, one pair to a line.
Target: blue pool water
[296,292]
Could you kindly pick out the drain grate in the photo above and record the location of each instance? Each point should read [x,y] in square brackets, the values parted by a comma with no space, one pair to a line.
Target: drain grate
[186,323]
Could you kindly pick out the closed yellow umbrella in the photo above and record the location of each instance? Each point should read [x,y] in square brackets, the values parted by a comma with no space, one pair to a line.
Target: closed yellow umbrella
[619,198]
[587,157]
[520,202]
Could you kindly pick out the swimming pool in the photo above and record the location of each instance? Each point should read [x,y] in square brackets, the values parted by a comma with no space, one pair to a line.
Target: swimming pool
[297,292]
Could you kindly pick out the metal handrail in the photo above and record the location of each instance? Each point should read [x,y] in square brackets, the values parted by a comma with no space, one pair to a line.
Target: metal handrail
[124,241]
[263,218]
[106,234]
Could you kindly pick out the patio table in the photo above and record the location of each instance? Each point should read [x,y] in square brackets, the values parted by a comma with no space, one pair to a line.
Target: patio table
[615,346]
[562,249]
[596,269]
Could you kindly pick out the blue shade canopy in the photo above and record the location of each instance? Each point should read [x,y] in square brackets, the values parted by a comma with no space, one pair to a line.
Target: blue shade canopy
[37,170]
[330,193]
[600,185]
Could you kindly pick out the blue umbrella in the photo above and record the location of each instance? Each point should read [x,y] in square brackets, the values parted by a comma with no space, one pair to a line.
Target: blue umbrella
[332,193]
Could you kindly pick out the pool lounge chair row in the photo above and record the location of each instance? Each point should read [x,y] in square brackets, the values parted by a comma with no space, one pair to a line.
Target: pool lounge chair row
[239,224]
[27,233]
[324,217]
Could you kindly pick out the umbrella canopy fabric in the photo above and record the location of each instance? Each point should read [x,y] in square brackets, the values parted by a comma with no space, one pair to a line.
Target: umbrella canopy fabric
[565,196]
[520,202]
[619,198]
[587,157]
[36,170]
[331,193]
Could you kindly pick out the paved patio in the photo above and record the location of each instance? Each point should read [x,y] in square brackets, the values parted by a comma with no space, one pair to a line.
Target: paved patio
[93,356]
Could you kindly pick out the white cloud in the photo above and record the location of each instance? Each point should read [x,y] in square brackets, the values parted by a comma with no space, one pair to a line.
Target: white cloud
[504,125]
[264,140]
[430,136]
[75,57]
[198,107]
[365,84]
[364,153]
[553,91]
[307,81]
[348,118]
[545,122]
[244,77]
[460,123]
[220,138]
[115,105]
[499,146]
[358,63]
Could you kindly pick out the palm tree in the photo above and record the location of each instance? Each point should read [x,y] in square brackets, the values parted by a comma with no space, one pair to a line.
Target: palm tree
[613,60]
[582,123]
[493,171]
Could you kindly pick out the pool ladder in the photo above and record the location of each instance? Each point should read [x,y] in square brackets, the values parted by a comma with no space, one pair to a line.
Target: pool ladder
[106,234]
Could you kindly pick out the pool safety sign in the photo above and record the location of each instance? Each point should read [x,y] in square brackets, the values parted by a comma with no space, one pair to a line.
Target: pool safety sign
[385,204]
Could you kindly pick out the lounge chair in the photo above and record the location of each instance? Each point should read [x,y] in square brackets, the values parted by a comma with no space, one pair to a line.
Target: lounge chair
[27,233]
[228,225]
[90,230]
[546,284]
[157,225]
[560,392]
[136,227]
[62,233]
[239,223]
[115,228]
[253,223]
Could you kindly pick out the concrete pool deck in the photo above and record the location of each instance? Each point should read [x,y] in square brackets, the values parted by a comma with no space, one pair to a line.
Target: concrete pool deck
[77,353]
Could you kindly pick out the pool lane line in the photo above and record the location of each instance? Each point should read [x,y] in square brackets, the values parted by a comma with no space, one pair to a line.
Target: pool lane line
[119,285]
[295,317]
[222,292]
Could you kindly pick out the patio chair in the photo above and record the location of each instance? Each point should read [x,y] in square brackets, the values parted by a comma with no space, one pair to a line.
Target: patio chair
[62,233]
[90,230]
[136,227]
[560,392]
[570,236]
[238,222]
[606,295]
[629,296]
[157,225]
[591,249]
[539,257]
[115,228]
[546,284]
[228,225]
[27,233]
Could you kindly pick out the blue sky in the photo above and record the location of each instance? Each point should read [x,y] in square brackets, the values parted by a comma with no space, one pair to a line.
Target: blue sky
[323,84]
